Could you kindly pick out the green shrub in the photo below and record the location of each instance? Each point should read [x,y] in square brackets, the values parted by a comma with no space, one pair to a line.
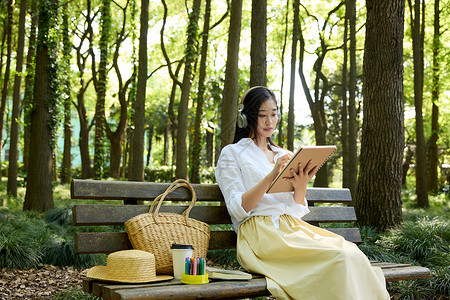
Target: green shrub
[426,241]
[22,236]
[73,294]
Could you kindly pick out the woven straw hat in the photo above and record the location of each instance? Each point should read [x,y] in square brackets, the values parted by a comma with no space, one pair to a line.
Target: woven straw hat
[128,266]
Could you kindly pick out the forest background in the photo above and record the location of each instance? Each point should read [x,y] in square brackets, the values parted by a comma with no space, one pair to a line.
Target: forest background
[149,90]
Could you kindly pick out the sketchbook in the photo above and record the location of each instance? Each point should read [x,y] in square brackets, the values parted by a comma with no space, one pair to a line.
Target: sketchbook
[216,273]
[318,156]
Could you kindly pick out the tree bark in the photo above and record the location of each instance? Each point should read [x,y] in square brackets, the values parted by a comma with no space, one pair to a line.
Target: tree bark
[352,114]
[258,64]
[100,87]
[230,92]
[15,115]
[39,194]
[183,108]
[344,108]
[283,52]
[291,113]
[9,25]
[67,101]
[196,149]
[29,83]
[418,33]
[378,202]
[136,165]
[433,149]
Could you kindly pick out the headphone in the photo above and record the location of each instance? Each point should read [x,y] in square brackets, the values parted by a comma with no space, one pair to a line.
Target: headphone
[242,120]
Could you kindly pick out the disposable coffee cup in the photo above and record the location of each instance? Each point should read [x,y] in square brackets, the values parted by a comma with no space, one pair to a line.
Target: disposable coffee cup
[179,254]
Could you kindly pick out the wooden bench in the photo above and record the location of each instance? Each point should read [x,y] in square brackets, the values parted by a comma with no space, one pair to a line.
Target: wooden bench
[210,209]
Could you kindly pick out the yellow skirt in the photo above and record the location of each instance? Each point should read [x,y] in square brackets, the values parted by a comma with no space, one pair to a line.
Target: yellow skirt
[301,261]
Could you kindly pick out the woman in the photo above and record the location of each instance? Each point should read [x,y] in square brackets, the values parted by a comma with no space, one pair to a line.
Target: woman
[299,261]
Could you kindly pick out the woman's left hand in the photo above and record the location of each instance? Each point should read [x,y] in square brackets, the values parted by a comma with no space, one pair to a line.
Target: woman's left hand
[300,180]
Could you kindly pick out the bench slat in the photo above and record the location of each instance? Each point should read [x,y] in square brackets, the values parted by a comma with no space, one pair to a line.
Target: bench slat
[88,215]
[107,242]
[132,190]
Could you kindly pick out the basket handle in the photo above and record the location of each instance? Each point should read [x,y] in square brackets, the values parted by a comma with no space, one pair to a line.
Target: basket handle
[176,184]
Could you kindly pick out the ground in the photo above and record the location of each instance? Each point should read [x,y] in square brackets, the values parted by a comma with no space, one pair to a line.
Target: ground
[41,283]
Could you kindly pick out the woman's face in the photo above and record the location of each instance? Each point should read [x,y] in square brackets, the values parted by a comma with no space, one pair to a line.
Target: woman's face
[267,118]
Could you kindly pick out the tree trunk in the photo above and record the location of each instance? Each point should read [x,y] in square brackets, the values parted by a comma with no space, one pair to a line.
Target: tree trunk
[196,149]
[183,108]
[67,101]
[85,127]
[39,195]
[417,32]
[433,149]
[291,113]
[258,64]
[344,109]
[100,87]
[15,116]
[352,114]
[136,165]
[378,202]
[230,92]
[29,83]
[283,52]
[10,24]
[117,137]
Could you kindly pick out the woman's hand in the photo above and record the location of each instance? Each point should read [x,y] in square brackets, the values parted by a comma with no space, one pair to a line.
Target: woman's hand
[280,163]
[300,180]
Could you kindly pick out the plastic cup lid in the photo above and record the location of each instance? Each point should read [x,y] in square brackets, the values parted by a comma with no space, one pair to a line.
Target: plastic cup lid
[181,246]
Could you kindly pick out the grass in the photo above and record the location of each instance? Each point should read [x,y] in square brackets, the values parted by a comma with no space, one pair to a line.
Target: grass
[30,238]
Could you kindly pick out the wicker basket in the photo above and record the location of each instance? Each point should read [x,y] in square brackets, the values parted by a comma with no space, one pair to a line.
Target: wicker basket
[155,232]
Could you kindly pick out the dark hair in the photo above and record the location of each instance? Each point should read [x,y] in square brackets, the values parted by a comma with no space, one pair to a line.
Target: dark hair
[252,100]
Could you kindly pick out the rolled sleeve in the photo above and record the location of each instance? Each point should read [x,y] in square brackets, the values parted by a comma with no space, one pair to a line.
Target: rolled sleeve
[300,210]
[229,179]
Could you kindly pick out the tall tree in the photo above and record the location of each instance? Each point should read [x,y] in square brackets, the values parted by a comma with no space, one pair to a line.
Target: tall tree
[344,108]
[283,52]
[67,100]
[183,108]
[258,64]
[39,195]
[433,149]
[116,137]
[352,114]
[100,84]
[230,92]
[291,113]
[196,148]
[378,202]
[136,165]
[15,115]
[29,82]
[322,86]
[5,89]
[349,121]
[418,36]
[81,58]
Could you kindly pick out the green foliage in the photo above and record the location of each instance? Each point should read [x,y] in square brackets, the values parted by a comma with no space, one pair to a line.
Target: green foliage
[426,241]
[74,294]
[422,240]
[22,236]
[29,238]
[224,257]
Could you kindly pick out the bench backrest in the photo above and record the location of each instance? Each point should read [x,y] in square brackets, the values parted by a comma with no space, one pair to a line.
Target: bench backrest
[210,208]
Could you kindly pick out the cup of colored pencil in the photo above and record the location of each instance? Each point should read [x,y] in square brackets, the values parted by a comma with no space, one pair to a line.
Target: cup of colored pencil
[195,271]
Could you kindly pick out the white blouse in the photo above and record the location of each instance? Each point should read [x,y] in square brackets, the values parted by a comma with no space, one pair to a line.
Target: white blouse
[240,167]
